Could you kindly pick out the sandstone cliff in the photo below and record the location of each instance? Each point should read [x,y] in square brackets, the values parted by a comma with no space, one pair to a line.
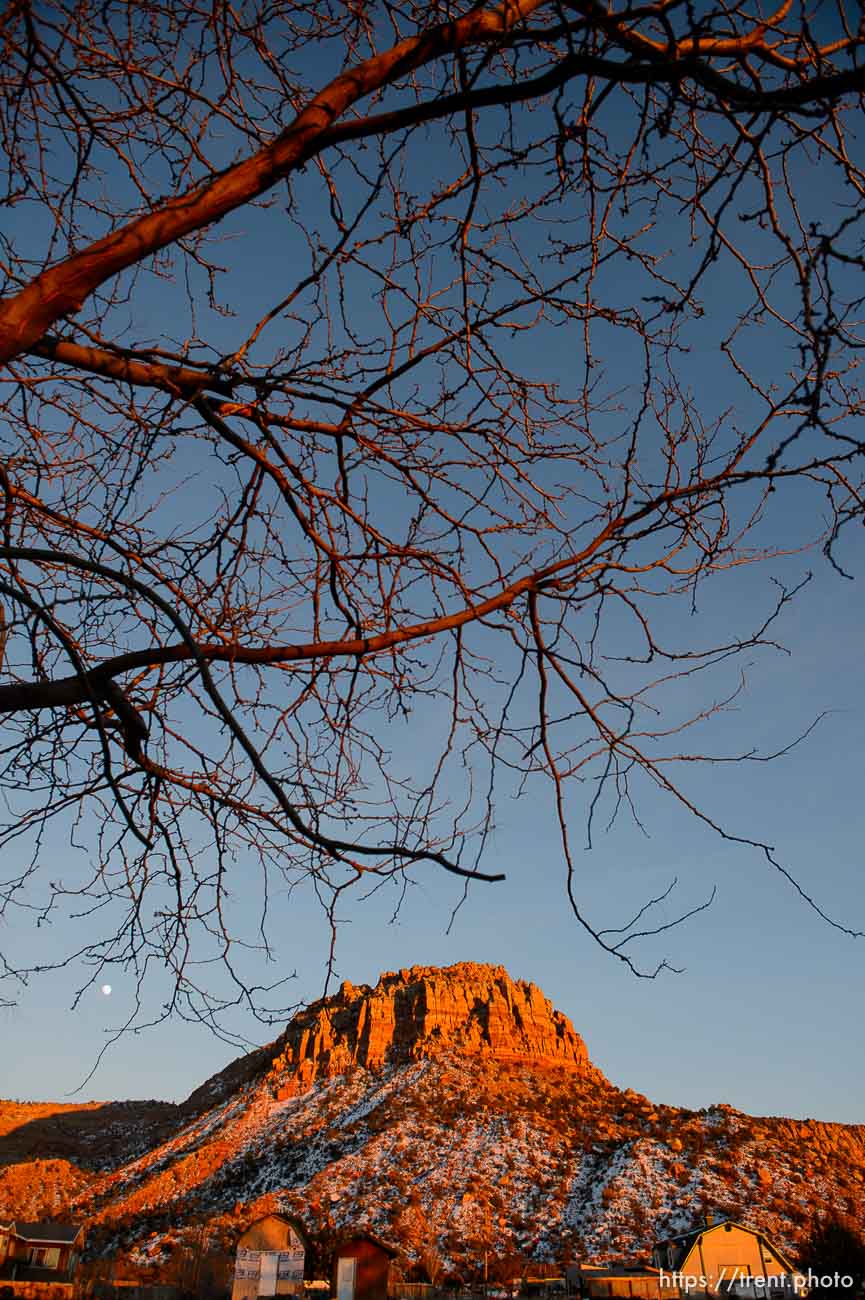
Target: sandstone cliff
[421,1012]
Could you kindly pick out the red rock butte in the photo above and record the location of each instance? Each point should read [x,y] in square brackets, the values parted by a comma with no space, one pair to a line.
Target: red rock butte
[427,1011]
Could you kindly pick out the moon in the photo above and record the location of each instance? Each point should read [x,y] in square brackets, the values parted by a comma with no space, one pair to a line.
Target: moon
[106,989]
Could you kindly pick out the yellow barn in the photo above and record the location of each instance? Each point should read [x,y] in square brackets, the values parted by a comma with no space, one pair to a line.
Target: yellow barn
[727,1258]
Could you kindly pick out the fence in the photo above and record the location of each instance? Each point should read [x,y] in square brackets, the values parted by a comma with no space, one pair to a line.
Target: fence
[27,1290]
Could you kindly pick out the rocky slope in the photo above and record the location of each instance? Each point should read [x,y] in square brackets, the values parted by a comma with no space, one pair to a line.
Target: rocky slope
[452,1112]
[102,1134]
[51,1151]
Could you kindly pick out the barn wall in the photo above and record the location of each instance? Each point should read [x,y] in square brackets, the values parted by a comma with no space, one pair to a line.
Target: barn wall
[721,1254]
[373,1265]
[270,1233]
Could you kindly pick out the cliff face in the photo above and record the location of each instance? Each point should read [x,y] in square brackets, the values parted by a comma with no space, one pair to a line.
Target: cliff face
[422,1012]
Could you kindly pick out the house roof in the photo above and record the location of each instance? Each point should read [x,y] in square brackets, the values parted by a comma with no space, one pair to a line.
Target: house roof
[57,1234]
[286,1219]
[351,1238]
[606,1271]
[705,1227]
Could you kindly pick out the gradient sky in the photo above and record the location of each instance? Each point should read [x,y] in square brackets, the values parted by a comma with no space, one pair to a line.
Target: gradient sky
[766,1014]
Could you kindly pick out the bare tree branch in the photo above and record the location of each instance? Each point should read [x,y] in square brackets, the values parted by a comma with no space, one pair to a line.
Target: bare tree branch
[378,391]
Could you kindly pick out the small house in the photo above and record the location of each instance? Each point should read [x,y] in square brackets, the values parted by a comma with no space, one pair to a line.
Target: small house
[360,1269]
[45,1251]
[270,1260]
[727,1258]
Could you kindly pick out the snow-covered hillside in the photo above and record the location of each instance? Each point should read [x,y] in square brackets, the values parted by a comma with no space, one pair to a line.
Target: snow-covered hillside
[451,1146]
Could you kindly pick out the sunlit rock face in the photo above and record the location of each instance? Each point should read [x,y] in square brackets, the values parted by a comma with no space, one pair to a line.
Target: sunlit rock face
[426,1011]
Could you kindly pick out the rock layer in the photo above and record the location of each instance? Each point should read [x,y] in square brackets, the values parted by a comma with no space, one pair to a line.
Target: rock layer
[426,1011]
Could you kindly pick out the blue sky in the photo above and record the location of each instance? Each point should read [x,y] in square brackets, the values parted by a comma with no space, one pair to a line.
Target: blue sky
[765,1014]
